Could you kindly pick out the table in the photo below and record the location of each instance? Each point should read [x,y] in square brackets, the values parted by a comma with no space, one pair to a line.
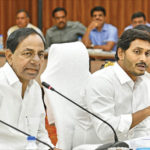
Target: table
[97,54]
[98,58]
[93,53]
[100,54]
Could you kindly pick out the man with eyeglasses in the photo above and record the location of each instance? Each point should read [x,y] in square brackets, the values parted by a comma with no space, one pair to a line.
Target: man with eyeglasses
[21,102]
[63,31]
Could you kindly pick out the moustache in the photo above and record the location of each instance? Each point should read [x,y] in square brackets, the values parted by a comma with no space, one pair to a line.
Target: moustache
[61,22]
[142,64]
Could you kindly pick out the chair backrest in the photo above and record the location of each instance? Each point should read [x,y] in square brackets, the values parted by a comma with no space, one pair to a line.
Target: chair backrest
[67,71]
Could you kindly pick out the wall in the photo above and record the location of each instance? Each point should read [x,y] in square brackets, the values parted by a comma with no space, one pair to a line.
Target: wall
[118,11]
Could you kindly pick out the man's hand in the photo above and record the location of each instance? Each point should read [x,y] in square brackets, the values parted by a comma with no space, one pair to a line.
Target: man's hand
[139,116]
[94,24]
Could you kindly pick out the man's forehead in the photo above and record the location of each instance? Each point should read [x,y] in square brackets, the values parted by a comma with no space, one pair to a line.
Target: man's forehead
[139,43]
[31,40]
[21,14]
[138,18]
[60,13]
[98,11]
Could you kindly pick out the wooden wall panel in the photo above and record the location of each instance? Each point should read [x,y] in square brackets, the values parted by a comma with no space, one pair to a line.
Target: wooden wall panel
[118,11]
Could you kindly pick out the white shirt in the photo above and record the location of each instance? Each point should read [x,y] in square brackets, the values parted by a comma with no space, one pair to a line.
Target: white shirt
[147,74]
[26,114]
[112,95]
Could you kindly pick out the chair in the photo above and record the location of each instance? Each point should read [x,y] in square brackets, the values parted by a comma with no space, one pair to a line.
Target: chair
[67,71]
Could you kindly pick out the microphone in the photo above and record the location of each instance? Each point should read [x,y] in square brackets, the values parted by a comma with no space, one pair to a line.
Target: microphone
[25,133]
[117,143]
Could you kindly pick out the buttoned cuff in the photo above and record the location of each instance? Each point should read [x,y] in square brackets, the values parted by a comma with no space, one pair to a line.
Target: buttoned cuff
[125,123]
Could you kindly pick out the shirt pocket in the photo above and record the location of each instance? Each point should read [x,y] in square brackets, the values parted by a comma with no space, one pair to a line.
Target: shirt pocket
[33,123]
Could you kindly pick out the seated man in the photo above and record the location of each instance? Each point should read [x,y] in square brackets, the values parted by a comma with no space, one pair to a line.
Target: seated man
[63,31]
[137,19]
[119,94]
[100,35]
[22,21]
[146,29]
[20,95]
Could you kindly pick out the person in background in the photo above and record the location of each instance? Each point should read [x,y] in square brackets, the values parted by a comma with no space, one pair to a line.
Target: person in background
[119,94]
[63,31]
[137,19]
[21,102]
[23,21]
[100,35]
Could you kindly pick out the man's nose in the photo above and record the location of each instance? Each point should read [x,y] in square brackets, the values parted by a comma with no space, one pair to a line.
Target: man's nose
[36,59]
[60,19]
[143,57]
[97,17]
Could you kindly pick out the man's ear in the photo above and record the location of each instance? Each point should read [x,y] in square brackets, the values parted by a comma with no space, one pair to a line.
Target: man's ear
[121,54]
[8,55]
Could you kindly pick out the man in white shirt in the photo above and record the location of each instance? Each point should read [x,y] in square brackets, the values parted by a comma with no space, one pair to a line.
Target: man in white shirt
[23,21]
[20,95]
[119,94]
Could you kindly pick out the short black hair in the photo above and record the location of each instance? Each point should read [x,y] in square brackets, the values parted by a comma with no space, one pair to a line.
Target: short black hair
[98,8]
[22,10]
[142,27]
[18,36]
[137,15]
[59,9]
[128,36]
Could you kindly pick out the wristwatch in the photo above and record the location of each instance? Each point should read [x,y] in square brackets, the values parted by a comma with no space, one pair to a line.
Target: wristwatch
[92,45]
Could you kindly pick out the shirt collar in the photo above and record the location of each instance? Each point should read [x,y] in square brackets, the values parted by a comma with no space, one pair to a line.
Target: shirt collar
[147,74]
[28,25]
[123,76]
[104,28]
[10,74]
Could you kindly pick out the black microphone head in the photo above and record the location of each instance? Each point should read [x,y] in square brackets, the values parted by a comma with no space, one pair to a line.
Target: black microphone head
[45,84]
[48,86]
[121,144]
[110,145]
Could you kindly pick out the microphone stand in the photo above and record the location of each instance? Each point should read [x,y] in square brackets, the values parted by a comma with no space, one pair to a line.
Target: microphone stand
[25,133]
[117,143]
